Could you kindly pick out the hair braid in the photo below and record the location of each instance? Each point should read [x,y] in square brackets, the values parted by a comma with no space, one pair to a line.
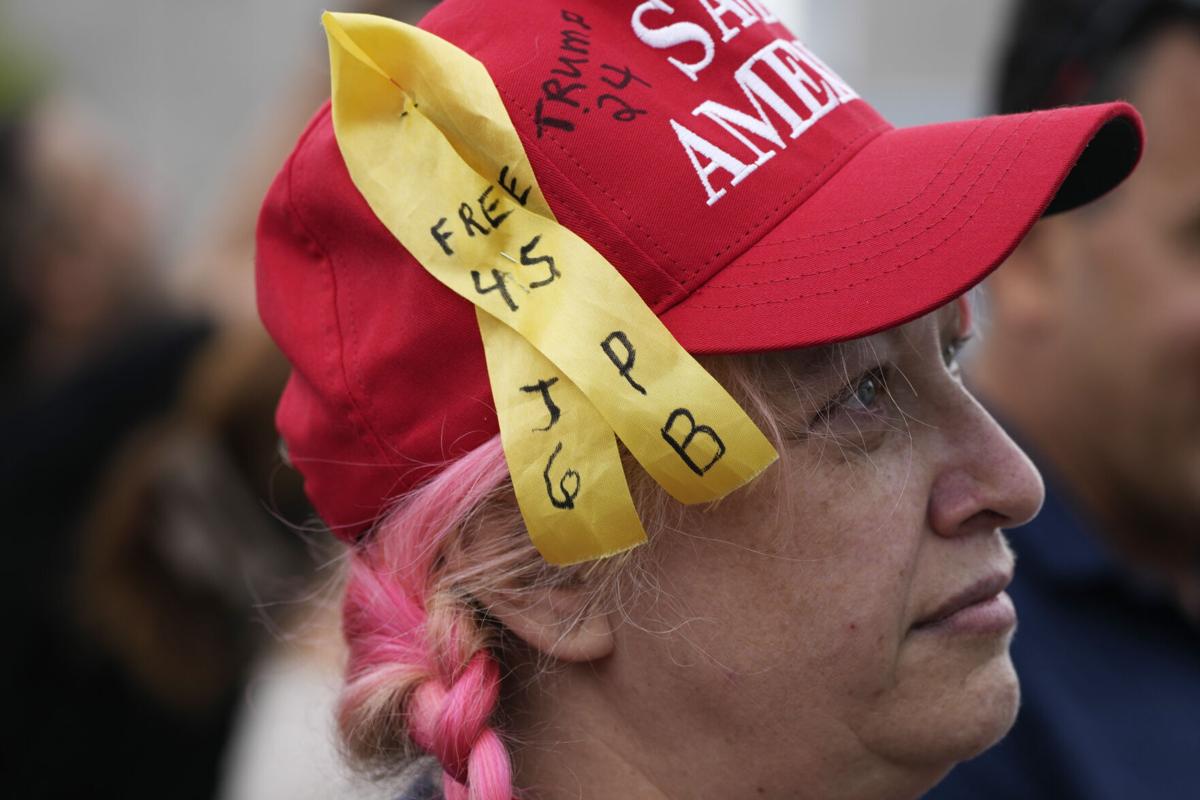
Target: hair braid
[451,721]
[420,670]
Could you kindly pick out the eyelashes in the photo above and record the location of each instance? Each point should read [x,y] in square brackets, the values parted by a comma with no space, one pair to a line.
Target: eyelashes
[867,401]
[861,395]
[859,418]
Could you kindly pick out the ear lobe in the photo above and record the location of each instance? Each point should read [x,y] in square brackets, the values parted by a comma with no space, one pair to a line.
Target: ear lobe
[555,621]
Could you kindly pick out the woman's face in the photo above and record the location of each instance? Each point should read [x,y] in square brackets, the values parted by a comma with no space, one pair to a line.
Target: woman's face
[807,626]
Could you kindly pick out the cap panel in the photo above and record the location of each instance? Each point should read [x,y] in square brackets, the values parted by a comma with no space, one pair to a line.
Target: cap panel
[389,379]
[316,415]
[402,354]
[600,99]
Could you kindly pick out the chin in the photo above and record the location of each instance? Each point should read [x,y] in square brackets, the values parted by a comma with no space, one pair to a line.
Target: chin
[952,716]
[995,693]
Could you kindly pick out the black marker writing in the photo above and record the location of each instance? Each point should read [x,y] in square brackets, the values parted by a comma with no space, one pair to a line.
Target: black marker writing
[562,103]
[623,362]
[468,220]
[543,386]
[544,120]
[573,49]
[574,41]
[681,447]
[511,186]
[442,236]
[554,91]
[499,285]
[568,495]
[572,64]
[626,112]
[570,67]
[547,260]
[626,77]
[488,208]
[575,19]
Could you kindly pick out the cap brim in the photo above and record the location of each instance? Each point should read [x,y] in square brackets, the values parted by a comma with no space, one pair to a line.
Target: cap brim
[915,219]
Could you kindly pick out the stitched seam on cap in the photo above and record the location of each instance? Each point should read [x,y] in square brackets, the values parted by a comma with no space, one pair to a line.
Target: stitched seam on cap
[895,246]
[791,198]
[356,413]
[862,223]
[894,268]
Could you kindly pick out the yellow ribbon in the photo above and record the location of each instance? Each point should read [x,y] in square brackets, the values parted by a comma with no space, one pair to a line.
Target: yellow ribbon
[573,352]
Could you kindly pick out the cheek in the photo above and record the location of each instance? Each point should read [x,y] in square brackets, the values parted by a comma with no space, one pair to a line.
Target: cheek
[788,617]
[840,589]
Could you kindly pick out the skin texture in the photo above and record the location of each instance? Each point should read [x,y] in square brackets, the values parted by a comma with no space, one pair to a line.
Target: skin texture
[1094,352]
[777,656]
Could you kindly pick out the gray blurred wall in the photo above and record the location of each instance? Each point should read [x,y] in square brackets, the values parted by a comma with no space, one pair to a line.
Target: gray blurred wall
[184,86]
[916,61]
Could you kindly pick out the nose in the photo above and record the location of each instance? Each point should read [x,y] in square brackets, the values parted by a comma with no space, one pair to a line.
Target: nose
[986,481]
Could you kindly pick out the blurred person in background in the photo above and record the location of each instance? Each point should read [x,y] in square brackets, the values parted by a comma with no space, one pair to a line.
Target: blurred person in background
[93,356]
[138,479]
[170,639]
[1093,360]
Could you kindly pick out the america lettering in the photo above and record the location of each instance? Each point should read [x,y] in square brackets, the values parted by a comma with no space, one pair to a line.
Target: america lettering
[786,88]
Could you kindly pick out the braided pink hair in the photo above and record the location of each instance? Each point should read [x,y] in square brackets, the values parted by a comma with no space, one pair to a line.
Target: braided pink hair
[419,664]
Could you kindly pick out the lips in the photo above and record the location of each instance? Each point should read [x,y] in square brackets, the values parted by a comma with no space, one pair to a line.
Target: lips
[980,592]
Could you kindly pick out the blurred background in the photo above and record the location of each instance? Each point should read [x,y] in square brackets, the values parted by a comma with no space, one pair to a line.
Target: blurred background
[187,88]
[172,630]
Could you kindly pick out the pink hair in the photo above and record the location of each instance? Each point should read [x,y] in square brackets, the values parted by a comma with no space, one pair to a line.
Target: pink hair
[409,649]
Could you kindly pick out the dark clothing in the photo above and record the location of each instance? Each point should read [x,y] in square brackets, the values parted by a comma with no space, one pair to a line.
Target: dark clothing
[1110,679]
[424,781]
[75,724]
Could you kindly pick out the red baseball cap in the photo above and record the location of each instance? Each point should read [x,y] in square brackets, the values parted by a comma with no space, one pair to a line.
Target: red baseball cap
[752,199]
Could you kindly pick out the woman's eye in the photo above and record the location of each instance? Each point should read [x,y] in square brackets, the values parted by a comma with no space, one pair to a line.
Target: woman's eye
[862,396]
[866,392]
[861,415]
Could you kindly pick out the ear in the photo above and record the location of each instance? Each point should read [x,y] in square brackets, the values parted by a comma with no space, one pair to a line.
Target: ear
[1026,294]
[554,620]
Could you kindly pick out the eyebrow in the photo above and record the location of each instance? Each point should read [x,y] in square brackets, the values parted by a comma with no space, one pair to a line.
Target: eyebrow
[814,362]
[828,367]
